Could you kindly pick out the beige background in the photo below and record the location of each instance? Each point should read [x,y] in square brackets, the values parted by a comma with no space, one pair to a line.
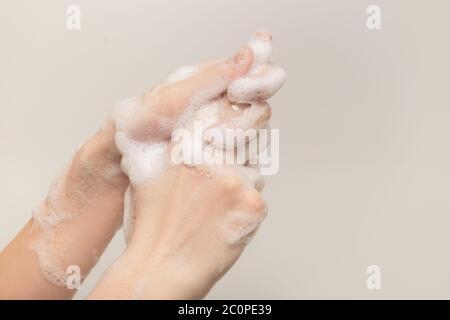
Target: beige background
[363,118]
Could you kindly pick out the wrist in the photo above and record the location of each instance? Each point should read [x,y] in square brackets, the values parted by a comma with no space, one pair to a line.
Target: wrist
[156,276]
[135,278]
[99,159]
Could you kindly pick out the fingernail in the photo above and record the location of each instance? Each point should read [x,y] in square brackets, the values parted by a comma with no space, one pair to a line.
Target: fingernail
[264,35]
[242,60]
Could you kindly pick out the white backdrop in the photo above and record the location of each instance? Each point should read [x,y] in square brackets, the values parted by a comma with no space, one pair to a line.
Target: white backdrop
[364,126]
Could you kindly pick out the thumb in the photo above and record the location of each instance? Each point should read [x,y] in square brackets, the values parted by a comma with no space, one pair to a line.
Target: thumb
[206,84]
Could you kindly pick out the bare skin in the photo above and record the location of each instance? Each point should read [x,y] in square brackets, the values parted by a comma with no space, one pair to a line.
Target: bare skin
[21,276]
[192,222]
[93,187]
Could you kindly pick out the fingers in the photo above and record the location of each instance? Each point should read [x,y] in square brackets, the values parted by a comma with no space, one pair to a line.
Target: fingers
[196,85]
[202,84]
[260,85]
[239,138]
[214,80]
[245,106]
[254,117]
[261,45]
[264,78]
[232,120]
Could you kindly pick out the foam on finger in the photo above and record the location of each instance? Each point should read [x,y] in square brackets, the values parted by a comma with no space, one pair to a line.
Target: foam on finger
[261,84]
[264,78]
[142,159]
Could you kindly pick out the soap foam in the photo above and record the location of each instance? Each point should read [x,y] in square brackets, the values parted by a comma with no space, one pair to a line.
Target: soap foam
[240,227]
[263,79]
[183,73]
[46,220]
[142,160]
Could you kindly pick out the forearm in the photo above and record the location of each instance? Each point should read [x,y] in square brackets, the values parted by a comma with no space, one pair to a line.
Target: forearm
[72,226]
[136,275]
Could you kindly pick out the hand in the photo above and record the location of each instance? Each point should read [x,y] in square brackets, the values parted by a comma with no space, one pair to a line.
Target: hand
[84,208]
[191,223]
[152,116]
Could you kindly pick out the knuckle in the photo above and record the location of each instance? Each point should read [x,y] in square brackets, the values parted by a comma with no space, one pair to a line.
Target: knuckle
[255,203]
[268,113]
[232,182]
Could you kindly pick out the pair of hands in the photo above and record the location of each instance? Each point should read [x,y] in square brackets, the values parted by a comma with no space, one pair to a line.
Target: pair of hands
[191,223]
